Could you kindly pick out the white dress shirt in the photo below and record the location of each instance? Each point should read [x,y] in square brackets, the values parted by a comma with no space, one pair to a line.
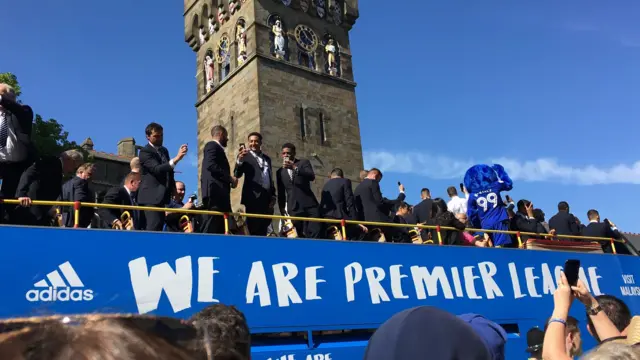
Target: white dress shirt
[457,205]
[157,148]
[15,150]
[264,168]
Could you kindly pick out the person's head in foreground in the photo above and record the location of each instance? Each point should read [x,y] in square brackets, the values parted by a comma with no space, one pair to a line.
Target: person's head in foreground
[96,337]
[430,333]
[223,332]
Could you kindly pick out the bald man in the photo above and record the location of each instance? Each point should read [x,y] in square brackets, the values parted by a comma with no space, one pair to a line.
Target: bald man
[16,152]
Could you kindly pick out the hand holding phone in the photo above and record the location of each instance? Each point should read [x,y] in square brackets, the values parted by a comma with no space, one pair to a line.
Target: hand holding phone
[572,271]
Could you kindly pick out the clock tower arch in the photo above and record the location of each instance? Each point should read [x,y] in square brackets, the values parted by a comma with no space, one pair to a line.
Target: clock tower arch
[282,68]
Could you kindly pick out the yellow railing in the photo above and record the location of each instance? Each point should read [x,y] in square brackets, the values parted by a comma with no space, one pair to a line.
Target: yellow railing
[77,205]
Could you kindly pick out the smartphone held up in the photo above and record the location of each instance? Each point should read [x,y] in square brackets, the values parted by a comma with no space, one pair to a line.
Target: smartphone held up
[572,271]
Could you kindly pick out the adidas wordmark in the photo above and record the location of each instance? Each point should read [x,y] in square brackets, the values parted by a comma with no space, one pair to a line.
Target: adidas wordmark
[56,289]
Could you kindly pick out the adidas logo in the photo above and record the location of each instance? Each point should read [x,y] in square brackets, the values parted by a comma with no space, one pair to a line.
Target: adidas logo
[57,290]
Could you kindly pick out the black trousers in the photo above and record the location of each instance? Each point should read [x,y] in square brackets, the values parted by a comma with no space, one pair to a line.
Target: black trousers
[308,229]
[152,220]
[258,227]
[212,224]
[10,174]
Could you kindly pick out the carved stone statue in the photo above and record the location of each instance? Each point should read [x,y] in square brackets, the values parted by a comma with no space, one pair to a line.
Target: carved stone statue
[222,15]
[304,5]
[241,38]
[203,36]
[278,41]
[208,68]
[212,25]
[320,8]
[331,51]
[233,6]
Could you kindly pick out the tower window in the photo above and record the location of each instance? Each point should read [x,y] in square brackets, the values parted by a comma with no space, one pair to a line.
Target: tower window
[323,129]
[303,123]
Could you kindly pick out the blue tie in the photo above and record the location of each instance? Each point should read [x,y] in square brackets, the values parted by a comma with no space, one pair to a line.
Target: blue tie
[4,129]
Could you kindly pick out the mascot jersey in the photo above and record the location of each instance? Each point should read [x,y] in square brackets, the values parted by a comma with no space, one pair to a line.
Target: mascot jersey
[485,207]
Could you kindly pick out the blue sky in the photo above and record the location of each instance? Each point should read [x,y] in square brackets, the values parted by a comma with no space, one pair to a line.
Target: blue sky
[547,88]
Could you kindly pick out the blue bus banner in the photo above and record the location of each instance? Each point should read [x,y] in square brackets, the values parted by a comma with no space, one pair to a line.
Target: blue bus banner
[287,285]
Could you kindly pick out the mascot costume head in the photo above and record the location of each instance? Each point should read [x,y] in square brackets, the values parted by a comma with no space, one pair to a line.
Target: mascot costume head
[485,207]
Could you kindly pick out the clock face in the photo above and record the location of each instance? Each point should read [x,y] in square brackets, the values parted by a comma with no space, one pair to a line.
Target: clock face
[306,38]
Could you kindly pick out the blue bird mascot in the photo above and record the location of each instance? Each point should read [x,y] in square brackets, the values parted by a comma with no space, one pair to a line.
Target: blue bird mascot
[485,207]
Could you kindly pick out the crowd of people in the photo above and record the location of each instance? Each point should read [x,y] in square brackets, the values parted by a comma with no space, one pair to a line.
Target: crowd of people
[28,176]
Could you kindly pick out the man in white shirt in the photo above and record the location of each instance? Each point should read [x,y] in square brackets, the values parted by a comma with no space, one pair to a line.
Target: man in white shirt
[456,205]
[15,145]
[258,190]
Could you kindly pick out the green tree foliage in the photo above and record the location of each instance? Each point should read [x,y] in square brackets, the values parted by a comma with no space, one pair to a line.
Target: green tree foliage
[49,136]
[11,80]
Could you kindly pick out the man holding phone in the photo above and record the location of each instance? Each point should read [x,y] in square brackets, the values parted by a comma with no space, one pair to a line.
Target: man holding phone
[258,191]
[157,169]
[294,191]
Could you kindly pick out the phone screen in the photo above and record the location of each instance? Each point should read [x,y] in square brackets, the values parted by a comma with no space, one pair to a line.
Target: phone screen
[572,271]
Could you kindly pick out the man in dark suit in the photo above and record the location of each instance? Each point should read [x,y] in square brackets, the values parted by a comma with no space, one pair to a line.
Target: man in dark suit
[525,221]
[337,202]
[16,150]
[216,180]
[372,206]
[422,211]
[403,216]
[158,183]
[258,191]
[122,195]
[295,196]
[605,229]
[77,189]
[564,222]
[43,181]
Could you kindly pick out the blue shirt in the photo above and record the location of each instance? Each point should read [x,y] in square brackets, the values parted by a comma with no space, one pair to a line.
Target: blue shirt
[486,208]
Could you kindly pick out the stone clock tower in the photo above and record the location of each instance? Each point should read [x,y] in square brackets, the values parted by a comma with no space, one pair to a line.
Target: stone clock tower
[282,68]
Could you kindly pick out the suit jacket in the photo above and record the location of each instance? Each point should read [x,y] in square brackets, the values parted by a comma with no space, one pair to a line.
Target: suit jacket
[337,201]
[296,193]
[23,127]
[158,183]
[215,179]
[520,222]
[602,229]
[77,189]
[371,205]
[118,196]
[564,224]
[422,211]
[41,181]
[254,194]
